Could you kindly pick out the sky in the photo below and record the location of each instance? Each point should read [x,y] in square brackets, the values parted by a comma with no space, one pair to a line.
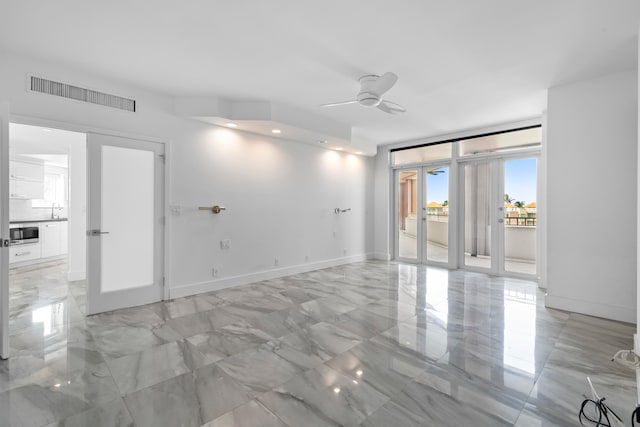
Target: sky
[438,186]
[519,182]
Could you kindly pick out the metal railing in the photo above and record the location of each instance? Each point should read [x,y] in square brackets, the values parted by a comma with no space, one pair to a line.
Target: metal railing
[508,220]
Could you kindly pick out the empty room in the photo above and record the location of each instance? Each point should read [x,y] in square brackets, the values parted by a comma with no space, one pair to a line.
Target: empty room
[237,214]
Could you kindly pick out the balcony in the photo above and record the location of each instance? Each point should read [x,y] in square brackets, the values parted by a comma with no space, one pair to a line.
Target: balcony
[520,243]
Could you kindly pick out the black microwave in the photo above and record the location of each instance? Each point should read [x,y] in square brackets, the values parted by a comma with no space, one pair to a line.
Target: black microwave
[21,235]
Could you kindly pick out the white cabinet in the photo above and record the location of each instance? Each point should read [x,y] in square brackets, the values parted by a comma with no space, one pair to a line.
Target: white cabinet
[26,180]
[53,238]
[53,242]
[26,171]
[21,253]
[26,189]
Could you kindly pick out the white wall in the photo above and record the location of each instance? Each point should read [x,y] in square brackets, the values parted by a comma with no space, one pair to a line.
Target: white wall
[280,194]
[382,205]
[77,252]
[592,139]
[280,198]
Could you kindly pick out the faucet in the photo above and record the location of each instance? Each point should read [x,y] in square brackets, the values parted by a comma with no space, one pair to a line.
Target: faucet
[52,208]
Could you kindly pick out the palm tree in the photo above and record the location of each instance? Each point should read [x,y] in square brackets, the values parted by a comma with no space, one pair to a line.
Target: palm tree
[445,203]
[519,204]
[508,199]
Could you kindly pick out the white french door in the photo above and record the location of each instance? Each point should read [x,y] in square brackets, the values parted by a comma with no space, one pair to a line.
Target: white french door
[422,214]
[499,225]
[483,217]
[4,230]
[125,223]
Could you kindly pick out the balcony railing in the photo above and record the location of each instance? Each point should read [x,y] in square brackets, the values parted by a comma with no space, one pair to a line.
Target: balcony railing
[508,220]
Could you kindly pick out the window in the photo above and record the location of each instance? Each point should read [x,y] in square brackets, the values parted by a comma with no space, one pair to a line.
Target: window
[531,137]
[423,154]
[54,190]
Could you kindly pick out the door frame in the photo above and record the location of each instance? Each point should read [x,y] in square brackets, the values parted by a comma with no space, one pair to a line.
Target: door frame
[421,256]
[78,127]
[138,295]
[4,230]
[497,195]
[456,208]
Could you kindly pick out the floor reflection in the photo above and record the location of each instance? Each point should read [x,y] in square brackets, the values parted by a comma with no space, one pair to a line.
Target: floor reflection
[370,343]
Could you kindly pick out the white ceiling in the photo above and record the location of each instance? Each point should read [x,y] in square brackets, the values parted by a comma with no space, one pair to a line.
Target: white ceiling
[461,63]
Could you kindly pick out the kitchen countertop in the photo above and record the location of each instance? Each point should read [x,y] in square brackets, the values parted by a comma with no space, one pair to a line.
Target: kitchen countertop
[27,221]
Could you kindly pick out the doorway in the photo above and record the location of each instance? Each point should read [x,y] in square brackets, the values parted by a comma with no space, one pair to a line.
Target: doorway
[469,202]
[423,227]
[55,277]
[500,215]
[125,226]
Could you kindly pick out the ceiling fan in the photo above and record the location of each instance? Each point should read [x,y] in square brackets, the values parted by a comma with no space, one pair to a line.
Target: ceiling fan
[372,88]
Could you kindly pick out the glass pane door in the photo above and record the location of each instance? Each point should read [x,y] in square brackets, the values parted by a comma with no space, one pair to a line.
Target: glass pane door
[520,220]
[436,209]
[126,230]
[407,214]
[478,178]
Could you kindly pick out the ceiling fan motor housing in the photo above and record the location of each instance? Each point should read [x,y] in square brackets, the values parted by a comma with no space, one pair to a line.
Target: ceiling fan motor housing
[367,97]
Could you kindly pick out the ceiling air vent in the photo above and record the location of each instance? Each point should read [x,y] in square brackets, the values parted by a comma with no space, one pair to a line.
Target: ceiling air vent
[64,90]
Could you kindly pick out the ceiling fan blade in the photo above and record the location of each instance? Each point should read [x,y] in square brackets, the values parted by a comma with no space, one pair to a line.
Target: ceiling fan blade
[384,83]
[391,107]
[334,104]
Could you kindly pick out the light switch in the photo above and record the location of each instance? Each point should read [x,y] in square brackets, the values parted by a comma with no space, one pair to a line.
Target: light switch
[225,244]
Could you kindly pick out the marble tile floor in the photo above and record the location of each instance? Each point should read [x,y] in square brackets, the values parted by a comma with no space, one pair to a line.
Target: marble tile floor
[366,344]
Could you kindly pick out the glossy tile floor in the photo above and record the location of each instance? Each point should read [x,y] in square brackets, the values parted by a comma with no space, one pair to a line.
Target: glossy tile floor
[370,343]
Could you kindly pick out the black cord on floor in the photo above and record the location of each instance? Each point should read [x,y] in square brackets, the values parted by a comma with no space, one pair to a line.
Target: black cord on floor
[600,411]
[635,416]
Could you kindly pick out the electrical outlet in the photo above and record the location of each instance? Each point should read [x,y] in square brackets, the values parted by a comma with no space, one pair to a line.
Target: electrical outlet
[175,209]
[214,272]
[225,244]
[345,251]
[276,262]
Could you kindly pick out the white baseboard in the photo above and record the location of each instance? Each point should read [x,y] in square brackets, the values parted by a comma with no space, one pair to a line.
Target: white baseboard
[381,256]
[74,276]
[244,279]
[591,308]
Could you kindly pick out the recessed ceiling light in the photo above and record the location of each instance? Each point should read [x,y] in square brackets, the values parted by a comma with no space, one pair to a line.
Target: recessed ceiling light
[358,152]
[276,131]
[336,390]
[339,148]
[231,125]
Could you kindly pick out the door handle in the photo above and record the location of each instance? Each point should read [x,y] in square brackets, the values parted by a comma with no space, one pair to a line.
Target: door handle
[215,209]
[96,232]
